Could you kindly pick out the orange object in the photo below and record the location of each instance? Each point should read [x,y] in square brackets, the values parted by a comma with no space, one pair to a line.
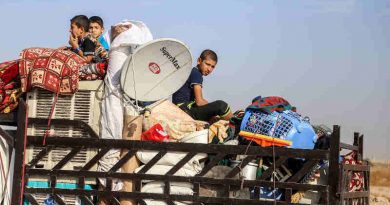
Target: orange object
[264,140]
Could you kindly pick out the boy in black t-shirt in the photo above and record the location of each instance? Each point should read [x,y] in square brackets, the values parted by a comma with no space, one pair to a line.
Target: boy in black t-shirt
[190,98]
[78,39]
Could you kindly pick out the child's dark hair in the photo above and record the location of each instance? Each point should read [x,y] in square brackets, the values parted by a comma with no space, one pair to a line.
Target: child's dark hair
[81,21]
[96,19]
[209,54]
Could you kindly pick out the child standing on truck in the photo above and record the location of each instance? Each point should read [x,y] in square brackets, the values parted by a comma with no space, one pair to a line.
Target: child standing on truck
[190,98]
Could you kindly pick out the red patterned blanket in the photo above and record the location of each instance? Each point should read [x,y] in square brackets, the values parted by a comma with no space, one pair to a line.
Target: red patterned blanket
[9,86]
[55,70]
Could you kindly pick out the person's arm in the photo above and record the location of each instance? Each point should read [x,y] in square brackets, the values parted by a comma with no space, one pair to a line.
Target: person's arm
[199,100]
[88,59]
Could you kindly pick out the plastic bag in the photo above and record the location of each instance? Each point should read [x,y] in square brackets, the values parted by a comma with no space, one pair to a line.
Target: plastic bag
[155,133]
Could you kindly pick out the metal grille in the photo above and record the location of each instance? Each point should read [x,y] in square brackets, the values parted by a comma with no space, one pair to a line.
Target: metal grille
[79,106]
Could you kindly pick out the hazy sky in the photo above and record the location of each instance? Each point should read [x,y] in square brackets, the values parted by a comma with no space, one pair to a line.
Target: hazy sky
[328,58]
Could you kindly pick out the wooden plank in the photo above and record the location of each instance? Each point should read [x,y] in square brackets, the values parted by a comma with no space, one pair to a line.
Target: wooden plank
[85,200]
[9,118]
[137,185]
[333,179]
[343,186]
[348,146]
[212,163]
[367,180]
[142,202]
[201,180]
[167,188]
[31,199]
[140,196]
[67,158]
[355,167]
[115,201]
[325,197]
[267,173]
[180,147]
[356,138]
[356,143]
[240,166]
[17,184]
[153,161]
[170,202]
[108,184]
[95,159]
[196,189]
[58,199]
[288,194]
[123,160]
[361,156]
[45,150]
[303,171]
[181,163]
[360,194]
[81,182]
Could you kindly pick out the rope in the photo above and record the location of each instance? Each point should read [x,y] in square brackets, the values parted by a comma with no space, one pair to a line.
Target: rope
[135,90]
[274,168]
[274,160]
[240,165]
[50,117]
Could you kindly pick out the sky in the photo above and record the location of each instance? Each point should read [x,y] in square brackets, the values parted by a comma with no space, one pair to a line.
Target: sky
[327,58]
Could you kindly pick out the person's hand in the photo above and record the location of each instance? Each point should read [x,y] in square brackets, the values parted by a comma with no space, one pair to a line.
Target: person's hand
[73,41]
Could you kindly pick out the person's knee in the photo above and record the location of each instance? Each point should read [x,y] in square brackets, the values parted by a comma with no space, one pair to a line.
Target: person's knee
[223,107]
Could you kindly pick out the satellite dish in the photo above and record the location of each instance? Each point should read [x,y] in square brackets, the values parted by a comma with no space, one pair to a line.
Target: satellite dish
[156,70]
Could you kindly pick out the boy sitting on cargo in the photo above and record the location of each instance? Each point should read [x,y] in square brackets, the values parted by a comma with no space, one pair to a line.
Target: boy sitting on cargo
[96,30]
[78,39]
[190,98]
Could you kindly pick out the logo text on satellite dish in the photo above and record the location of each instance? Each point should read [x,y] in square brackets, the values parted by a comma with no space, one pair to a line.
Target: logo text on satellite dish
[170,57]
[154,68]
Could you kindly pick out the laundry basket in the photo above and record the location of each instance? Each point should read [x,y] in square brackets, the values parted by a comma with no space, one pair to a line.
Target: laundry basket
[286,125]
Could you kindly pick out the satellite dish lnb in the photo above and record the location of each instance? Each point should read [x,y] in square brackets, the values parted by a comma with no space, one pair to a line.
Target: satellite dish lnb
[156,70]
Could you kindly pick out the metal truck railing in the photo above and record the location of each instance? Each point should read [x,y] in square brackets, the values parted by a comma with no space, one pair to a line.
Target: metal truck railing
[334,192]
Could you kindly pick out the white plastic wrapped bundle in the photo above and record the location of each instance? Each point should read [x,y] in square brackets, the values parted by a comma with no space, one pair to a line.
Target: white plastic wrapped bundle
[112,106]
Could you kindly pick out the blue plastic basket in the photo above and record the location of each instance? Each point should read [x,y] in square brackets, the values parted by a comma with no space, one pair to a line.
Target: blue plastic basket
[286,125]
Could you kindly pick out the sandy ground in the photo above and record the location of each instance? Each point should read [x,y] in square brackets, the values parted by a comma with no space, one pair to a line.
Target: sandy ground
[380,195]
[380,183]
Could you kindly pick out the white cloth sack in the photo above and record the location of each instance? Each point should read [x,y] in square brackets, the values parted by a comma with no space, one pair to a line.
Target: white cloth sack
[177,188]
